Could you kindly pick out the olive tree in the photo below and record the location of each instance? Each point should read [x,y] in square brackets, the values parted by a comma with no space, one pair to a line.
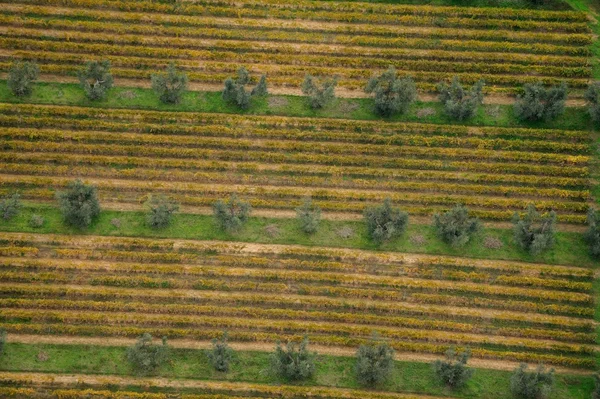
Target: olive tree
[160,211]
[79,204]
[540,103]
[596,393]
[235,89]
[534,232]
[385,222]
[592,234]
[294,362]
[460,103]
[2,340]
[592,95]
[232,214]
[220,355]
[170,85]
[525,384]
[455,227]
[21,77]
[321,93]
[374,363]
[453,371]
[146,357]
[10,206]
[309,216]
[393,95]
[95,79]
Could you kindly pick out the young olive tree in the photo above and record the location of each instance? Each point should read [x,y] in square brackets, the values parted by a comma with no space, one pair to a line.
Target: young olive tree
[21,77]
[294,362]
[235,89]
[385,222]
[170,85]
[592,235]
[455,227]
[319,95]
[160,211]
[79,204]
[533,232]
[220,355]
[392,94]
[309,216]
[458,102]
[2,340]
[374,363]
[95,79]
[596,393]
[453,371]
[539,103]
[232,214]
[592,95]
[536,384]
[145,357]
[10,206]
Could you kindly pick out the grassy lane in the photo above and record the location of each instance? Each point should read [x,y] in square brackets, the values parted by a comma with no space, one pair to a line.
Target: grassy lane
[253,367]
[570,248]
[362,109]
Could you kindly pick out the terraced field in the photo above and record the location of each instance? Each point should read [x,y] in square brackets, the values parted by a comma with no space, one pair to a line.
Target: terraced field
[211,38]
[275,161]
[503,310]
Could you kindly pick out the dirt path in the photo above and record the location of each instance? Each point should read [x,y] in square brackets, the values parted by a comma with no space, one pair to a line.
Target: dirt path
[340,92]
[263,347]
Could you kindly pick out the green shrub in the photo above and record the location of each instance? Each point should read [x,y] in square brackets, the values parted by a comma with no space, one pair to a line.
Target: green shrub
[536,384]
[10,206]
[235,90]
[2,340]
[160,211]
[533,232]
[171,85]
[232,214]
[36,221]
[374,363]
[459,103]
[453,371]
[455,227]
[309,216]
[145,357]
[95,79]
[294,362]
[592,235]
[538,103]
[79,204]
[319,95]
[385,222]
[220,355]
[592,95]
[596,393]
[21,77]
[392,95]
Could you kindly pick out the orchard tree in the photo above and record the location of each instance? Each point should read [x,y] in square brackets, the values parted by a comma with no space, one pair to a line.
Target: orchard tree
[534,232]
[540,103]
[319,94]
[309,216]
[220,355]
[235,89]
[160,211]
[455,227]
[393,95]
[385,222]
[525,384]
[374,363]
[146,357]
[95,79]
[460,103]
[10,206]
[453,371]
[592,95]
[294,362]
[21,77]
[170,85]
[79,204]
[592,235]
[232,214]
